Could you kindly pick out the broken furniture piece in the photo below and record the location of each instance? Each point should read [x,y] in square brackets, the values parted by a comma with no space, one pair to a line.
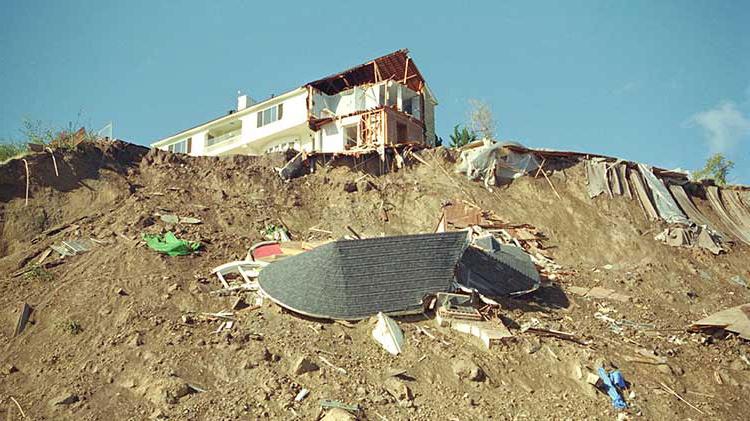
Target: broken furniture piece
[458,312]
[455,306]
[246,269]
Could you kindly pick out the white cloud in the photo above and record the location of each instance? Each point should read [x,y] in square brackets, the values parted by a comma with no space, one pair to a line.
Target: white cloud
[724,126]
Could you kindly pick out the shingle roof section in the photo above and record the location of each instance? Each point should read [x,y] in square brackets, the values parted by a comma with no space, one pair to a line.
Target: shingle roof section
[355,279]
[503,271]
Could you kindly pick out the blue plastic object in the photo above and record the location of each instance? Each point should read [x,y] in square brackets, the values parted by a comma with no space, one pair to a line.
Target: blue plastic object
[617,401]
[618,379]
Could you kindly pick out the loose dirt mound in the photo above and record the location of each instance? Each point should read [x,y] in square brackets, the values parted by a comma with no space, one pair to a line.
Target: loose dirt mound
[108,333]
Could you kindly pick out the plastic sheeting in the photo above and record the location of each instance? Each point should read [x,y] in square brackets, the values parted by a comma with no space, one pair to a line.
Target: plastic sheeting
[665,204]
[492,162]
[596,177]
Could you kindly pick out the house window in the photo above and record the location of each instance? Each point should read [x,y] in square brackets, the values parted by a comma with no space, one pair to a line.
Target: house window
[269,115]
[350,136]
[183,146]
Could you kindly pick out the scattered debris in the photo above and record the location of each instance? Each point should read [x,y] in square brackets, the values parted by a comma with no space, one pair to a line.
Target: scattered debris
[239,304]
[66,398]
[330,364]
[388,334]
[330,404]
[169,244]
[8,369]
[174,219]
[265,249]
[669,389]
[301,395]
[735,320]
[455,306]
[170,219]
[73,247]
[739,280]
[23,318]
[599,293]
[303,365]
[691,236]
[493,162]
[613,383]
[247,271]
[531,328]
[273,232]
[489,333]
[18,405]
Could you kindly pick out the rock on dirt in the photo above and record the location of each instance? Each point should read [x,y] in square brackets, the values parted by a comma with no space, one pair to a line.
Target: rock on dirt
[398,389]
[8,369]
[338,414]
[468,370]
[303,365]
[169,391]
[350,187]
[65,398]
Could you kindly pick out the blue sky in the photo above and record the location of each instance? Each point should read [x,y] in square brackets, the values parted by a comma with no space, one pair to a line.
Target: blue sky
[664,82]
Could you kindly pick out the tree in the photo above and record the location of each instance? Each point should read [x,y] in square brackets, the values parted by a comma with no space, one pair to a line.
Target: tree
[717,168]
[462,137]
[481,120]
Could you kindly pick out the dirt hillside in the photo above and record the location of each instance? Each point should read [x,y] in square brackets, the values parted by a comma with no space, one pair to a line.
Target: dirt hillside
[114,332]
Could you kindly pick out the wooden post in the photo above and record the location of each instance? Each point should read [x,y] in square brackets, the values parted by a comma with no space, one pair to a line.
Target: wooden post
[406,69]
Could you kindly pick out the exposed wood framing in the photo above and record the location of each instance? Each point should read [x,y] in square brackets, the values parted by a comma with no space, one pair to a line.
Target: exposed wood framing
[378,76]
[406,69]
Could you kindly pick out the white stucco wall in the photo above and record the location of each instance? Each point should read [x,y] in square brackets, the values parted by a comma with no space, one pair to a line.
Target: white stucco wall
[294,114]
[199,143]
[332,138]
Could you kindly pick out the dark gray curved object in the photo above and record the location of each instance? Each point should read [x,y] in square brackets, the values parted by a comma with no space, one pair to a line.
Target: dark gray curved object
[500,271]
[356,279]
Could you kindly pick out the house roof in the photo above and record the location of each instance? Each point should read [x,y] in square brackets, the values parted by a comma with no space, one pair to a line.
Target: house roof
[396,65]
[355,279]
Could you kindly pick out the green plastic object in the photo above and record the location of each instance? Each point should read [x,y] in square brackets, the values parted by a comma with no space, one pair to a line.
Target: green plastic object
[171,245]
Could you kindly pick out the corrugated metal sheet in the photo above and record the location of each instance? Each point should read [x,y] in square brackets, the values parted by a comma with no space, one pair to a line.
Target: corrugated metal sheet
[718,206]
[695,215]
[643,198]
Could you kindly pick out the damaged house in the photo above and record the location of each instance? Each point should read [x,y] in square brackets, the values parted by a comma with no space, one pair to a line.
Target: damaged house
[382,103]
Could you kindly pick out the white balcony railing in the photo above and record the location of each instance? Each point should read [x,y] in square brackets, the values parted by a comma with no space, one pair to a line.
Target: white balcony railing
[223,138]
